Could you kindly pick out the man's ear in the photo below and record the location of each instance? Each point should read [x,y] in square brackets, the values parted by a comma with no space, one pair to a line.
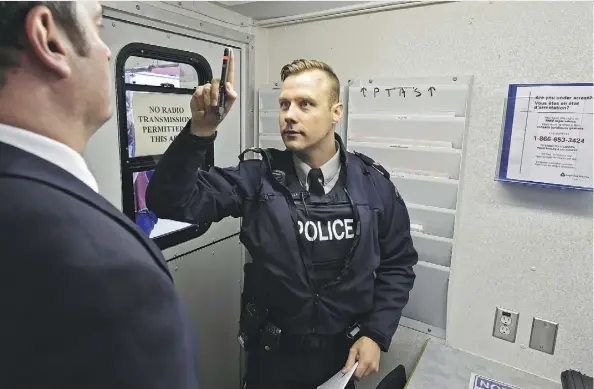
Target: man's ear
[48,42]
[337,112]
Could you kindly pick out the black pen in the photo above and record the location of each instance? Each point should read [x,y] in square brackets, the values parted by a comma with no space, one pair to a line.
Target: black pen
[224,74]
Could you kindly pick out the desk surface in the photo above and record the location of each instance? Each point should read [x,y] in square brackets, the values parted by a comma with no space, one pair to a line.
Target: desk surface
[441,366]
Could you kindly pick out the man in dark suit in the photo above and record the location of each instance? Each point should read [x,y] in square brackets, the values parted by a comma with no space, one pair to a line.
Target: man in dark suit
[86,300]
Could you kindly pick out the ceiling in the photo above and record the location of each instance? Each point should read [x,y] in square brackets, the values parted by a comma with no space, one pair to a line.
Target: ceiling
[261,10]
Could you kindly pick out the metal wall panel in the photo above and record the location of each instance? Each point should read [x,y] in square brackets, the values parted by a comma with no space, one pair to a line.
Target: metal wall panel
[209,283]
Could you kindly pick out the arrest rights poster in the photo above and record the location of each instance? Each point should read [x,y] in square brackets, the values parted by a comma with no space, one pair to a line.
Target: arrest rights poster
[548,135]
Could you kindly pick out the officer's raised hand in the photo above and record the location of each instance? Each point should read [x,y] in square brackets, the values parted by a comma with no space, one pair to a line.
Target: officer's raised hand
[367,352]
[205,118]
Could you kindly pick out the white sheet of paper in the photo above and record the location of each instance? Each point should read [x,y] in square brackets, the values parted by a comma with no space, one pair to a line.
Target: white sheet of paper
[339,380]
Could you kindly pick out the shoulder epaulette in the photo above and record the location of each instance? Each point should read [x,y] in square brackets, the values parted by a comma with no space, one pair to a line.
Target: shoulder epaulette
[269,153]
[256,150]
[370,162]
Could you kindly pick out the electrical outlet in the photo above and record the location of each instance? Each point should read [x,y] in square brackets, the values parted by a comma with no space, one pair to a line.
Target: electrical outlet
[504,330]
[506,324]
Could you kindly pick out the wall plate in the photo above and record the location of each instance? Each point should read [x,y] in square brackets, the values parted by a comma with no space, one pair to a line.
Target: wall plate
[544,335]
[506,324]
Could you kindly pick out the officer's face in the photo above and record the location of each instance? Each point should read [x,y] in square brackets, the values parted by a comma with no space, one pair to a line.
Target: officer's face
[307,118]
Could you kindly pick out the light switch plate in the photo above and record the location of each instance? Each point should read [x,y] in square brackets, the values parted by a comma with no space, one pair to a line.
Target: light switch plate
[506,324]
[544,335]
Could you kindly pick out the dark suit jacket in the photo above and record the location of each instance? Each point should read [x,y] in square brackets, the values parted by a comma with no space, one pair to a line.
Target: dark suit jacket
[86,299]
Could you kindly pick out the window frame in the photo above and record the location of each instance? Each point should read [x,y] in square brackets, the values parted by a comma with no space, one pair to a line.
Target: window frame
[130,165]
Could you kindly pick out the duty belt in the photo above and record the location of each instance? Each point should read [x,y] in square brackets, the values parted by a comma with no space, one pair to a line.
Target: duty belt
[273,338]
[292,342]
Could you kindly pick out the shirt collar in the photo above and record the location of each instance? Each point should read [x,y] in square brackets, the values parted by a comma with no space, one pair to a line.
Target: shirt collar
[329,169]
[52,151]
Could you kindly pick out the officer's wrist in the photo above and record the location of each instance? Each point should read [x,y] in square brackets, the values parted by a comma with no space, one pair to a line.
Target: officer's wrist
[377,338]
[201,131]
[194,139]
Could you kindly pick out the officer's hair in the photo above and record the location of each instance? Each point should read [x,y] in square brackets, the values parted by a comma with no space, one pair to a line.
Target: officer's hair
[12,30]
[301,65]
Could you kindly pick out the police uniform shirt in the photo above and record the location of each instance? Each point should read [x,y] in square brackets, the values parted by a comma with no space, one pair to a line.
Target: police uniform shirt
[330,171]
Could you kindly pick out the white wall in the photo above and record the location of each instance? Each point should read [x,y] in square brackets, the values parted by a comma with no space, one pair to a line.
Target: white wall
[504,230]
[208,12]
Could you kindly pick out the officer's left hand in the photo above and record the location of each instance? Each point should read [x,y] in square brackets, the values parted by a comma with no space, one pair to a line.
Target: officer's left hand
[367,352]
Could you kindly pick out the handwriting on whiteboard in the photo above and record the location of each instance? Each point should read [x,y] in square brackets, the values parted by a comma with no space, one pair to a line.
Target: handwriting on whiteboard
[400,91]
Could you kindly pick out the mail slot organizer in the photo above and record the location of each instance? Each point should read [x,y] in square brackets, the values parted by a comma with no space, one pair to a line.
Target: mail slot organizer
[415,129]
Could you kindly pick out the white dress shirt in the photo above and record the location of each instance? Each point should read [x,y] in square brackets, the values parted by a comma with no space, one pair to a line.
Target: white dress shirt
[52,151]
[330,171]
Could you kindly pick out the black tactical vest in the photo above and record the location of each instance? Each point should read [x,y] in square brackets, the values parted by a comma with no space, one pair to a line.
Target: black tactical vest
[326,226]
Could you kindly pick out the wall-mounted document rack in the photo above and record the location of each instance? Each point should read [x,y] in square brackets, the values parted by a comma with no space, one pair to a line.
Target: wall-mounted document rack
[415,128]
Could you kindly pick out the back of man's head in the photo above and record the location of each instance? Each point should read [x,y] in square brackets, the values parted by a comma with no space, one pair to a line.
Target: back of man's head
[53,62]
[13,40]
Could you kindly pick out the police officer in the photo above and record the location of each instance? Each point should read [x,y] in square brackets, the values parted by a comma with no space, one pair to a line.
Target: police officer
[328,233]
